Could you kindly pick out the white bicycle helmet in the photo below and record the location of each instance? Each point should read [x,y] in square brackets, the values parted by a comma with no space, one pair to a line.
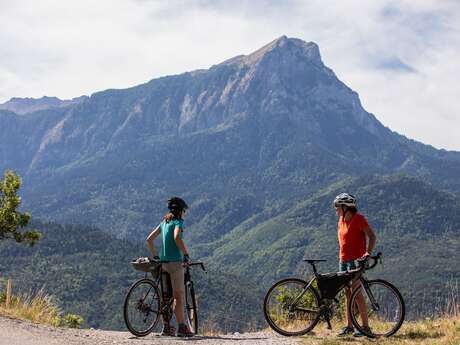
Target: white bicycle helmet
[345,199]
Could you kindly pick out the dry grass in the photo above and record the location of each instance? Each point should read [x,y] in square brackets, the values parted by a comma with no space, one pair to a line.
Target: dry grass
[37,307]
[209,329]
[441,331]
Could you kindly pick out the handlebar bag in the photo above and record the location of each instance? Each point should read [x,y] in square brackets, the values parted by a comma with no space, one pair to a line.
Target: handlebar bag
[145,265]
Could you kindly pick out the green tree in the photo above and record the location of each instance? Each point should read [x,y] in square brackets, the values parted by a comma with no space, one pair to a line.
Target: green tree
[11,220]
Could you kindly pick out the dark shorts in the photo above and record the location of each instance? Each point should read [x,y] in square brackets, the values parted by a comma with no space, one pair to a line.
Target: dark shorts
[347,266]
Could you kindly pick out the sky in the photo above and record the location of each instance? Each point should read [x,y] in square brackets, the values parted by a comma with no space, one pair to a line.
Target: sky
[402,57]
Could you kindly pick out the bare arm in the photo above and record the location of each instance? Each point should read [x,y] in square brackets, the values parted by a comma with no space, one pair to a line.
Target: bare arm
[179,241]
[372,239]
[150,238]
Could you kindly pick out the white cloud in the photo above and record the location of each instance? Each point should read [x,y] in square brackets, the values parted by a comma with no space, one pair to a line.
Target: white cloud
[402,57]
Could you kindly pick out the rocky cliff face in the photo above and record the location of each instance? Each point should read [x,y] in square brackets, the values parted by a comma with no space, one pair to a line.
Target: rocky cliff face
[263,128]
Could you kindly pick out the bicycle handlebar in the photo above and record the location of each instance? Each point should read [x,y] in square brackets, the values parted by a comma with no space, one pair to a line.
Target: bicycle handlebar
[364,262]
[197,263]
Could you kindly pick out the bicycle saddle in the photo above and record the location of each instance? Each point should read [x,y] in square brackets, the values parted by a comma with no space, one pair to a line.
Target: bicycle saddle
[313,260]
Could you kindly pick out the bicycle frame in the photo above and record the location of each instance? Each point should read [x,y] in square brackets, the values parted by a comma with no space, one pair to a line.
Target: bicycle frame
[362,280]
[324,308]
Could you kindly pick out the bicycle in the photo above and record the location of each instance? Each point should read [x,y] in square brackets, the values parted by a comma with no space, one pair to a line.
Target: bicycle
[294,307]
[148,298]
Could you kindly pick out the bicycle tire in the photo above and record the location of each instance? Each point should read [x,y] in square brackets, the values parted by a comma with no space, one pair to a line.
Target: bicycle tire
[381,314]
[280,319]
[142,299]
[191,307]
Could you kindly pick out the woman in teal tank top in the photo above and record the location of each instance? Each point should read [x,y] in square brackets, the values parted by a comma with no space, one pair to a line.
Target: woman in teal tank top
[175,252]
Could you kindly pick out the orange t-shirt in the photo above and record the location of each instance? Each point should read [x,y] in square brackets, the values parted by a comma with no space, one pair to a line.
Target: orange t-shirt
[352,239]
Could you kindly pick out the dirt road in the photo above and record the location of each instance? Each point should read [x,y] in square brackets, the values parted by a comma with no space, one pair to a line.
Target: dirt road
[14,332]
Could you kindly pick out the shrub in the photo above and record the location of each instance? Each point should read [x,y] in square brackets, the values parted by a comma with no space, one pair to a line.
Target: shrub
[71,321]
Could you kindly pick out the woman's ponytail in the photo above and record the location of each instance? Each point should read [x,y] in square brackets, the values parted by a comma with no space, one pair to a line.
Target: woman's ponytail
[168,217]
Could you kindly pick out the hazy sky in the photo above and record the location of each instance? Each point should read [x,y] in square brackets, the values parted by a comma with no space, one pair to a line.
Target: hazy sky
[402,57]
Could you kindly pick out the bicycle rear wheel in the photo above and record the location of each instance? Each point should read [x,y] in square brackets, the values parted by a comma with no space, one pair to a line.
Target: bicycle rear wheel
[287,318]
[191,308]
[383,306]
[141,309]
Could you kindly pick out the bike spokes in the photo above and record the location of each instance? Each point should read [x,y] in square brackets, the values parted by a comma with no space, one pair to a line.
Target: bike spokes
[142,308]
[290,309]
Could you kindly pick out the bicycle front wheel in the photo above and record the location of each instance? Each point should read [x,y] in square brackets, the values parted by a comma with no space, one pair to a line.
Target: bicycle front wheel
[381,304]
[290,309]
[141,309]
[191,308]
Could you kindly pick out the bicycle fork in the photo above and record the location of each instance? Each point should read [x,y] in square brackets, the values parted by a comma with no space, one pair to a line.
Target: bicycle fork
[369,294]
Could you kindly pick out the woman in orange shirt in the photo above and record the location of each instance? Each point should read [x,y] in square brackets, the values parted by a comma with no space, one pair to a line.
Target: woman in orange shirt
[356,240]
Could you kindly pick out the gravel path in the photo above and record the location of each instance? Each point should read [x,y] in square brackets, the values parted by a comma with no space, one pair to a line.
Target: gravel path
[15,332]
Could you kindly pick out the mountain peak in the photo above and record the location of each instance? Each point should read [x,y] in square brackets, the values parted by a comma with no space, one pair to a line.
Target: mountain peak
[284,45]
[27,105]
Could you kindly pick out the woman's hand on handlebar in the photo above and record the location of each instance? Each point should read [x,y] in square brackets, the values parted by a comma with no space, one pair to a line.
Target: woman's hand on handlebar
[364,260]
[185,260]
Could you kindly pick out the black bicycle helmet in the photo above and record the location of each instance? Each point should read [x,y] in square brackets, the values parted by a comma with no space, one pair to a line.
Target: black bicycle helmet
[176,204]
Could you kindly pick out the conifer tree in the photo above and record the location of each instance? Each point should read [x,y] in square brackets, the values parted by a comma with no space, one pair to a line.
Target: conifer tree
[11,220]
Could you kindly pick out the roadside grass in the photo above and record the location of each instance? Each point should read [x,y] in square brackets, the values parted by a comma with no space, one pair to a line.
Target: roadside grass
[440,331]
[38,307]
[210,330]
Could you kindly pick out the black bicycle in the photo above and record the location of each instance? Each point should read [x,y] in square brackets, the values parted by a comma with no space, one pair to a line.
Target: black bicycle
[151,297]
[294,307]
